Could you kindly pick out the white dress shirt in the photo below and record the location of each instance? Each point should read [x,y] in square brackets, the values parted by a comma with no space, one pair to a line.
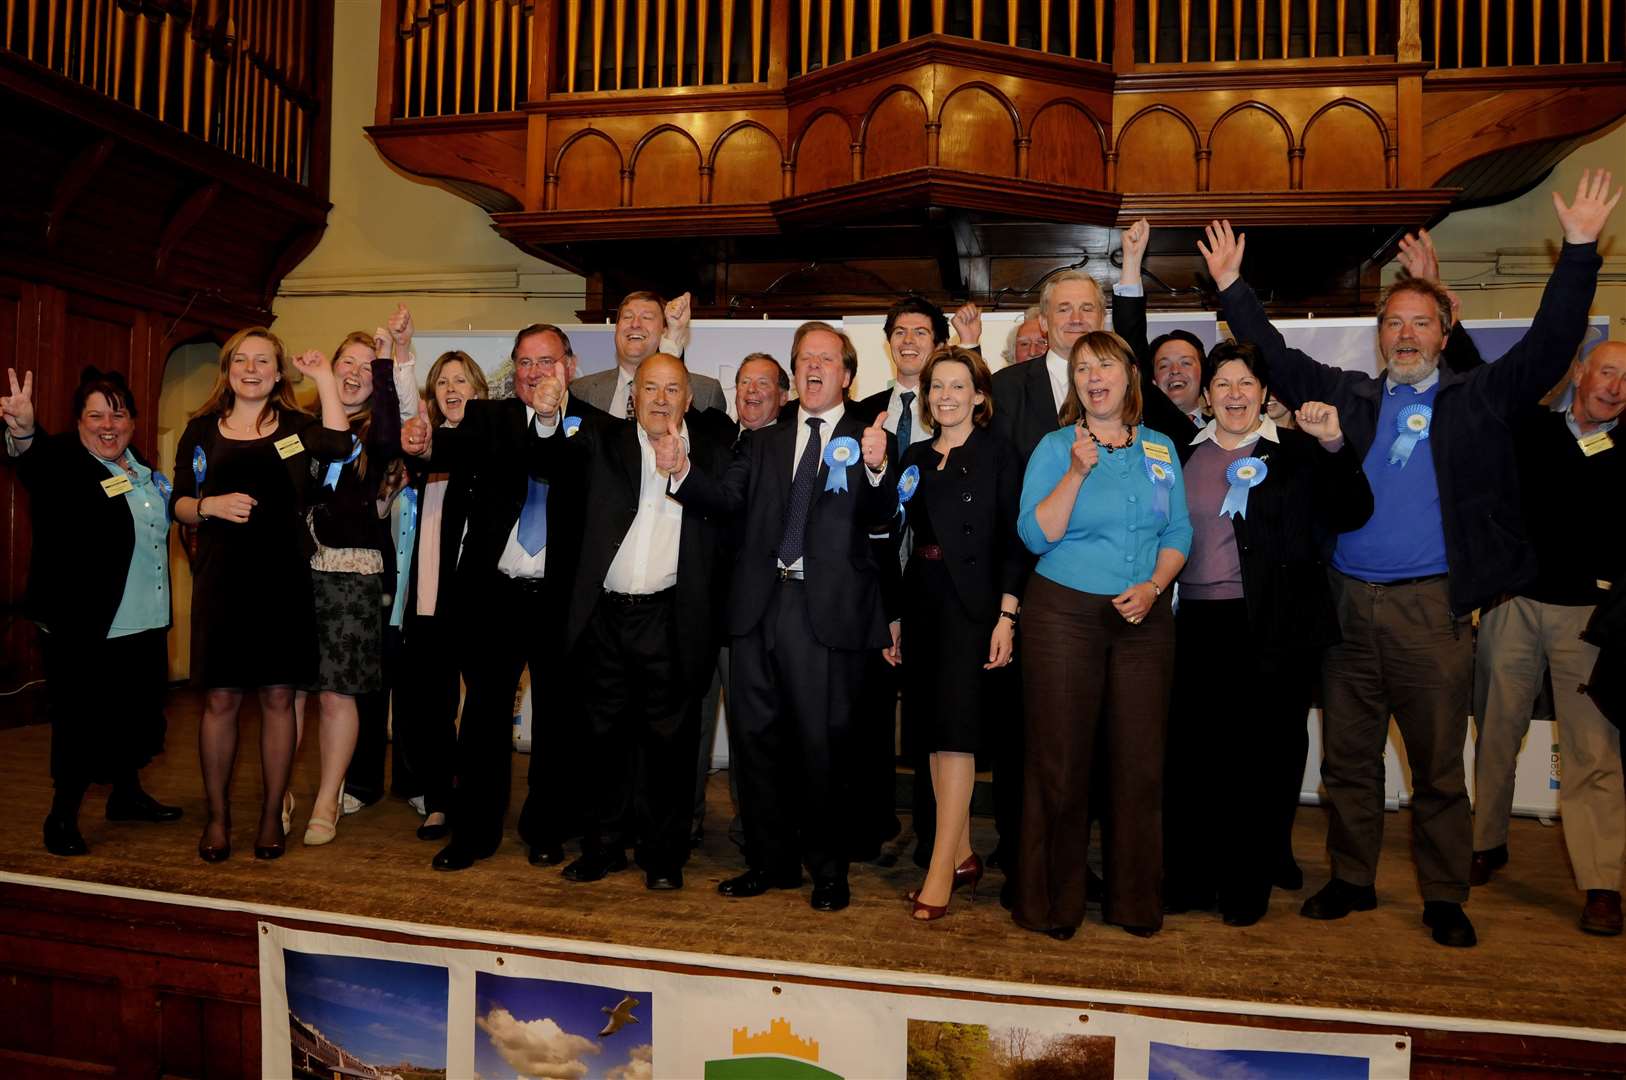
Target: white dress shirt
[1055,365]
[827,429]
[516,562]
[647,561]
[894,413]
[618,400]
[1266,429]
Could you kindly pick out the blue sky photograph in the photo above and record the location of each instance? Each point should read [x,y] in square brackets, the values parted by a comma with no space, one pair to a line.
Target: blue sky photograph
[382,1011]
[1187,1063]
[546,1030]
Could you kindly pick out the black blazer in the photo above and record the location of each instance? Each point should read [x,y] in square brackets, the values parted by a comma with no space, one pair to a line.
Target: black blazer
[843,581]
[83,539]
[454,515]
[603,456]
[888,546]
[1307,497]
[973,506]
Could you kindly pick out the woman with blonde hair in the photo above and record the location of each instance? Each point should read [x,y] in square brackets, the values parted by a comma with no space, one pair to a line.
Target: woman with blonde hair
[243,479]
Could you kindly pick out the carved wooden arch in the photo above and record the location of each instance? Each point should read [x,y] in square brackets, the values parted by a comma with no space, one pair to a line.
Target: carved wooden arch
[796,144]
[874,105]
[1281,121]
[1074,103]
[559,156]
[997,94]
[1196,139]
[1359,106]
[646,137]
[711,158]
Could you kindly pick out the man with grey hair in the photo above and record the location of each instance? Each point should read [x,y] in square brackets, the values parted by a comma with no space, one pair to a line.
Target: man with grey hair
[1445,538]
[1027,339]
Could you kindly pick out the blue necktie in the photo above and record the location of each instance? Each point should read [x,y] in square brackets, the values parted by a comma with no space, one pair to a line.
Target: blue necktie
[906,421]
[801,497]
[533,518]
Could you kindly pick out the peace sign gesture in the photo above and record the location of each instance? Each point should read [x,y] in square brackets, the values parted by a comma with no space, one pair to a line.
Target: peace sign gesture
[17,408]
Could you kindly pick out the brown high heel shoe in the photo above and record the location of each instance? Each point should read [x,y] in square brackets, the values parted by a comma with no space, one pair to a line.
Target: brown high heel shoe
[924,912]
[969,872]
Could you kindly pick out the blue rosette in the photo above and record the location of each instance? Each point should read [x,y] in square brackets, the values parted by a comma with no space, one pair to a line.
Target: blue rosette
[908,484]
[1162,478]
[1411,428]
[334,468]
[200,468]
[841,453]
[1243,475]
[573,424]
[161,482]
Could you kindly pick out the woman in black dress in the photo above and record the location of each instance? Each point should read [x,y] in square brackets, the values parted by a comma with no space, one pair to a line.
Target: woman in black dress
[243,480]
[98,590]
[960,492]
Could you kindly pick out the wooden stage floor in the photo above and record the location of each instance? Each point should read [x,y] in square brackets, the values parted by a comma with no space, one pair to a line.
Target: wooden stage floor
[1532,965]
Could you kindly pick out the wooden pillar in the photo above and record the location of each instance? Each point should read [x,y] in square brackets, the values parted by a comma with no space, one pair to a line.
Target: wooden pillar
[1123,35]
[1407,172]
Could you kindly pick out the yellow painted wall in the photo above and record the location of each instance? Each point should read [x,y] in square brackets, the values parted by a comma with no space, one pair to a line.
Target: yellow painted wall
[387,225]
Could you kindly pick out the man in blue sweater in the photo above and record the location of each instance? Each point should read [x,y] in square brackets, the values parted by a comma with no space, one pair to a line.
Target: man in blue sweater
[1447,537]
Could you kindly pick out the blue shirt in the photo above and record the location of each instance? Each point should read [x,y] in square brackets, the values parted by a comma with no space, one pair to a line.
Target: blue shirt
[405,511]
[145,605]
[1114,533]
[1405,536]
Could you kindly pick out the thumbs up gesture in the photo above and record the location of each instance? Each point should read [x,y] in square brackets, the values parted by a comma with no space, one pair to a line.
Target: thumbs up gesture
[415,433]
[873,444]
[670,458]
[547,396]
[1085,452]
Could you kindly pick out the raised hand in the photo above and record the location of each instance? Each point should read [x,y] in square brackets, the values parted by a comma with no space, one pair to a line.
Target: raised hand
[1583,219]
[547,396]
[671,459]
[235,507]
[1417,256]
[1135,239]
[17,408]
[1318,419]
[1085,452]
[400,327]
[873,444]
[967,323]
[416,433]
[382,346]
[1223,253]
[314,364]
[677,321]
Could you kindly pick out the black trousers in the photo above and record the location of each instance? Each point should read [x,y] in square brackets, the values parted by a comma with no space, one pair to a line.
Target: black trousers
[426,712]
[364,779]
[1235,758]
[873,818]
[642,731]
[93,740]
[505,625]
[791,736]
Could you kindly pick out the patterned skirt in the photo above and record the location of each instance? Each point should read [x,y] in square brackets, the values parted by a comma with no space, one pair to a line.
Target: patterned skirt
[349,631]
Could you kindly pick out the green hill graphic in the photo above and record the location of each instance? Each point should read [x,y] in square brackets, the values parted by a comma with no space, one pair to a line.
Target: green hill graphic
[766,1068]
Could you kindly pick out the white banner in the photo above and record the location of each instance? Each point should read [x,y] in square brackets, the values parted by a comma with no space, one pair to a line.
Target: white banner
[352,1006]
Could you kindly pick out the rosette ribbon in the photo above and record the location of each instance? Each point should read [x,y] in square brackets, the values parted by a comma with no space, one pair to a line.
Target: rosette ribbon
[1162,478]
[1411,427]
[334,468]
[165,489]
[200,467]
[1243,474]
[573,424]
[908,483]
[838,455]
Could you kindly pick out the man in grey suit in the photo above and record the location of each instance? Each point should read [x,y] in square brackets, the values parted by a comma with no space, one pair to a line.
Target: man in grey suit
[645,324]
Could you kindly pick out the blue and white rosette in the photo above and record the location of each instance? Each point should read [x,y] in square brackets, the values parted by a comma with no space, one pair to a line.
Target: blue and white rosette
[334,468]
[165,489]
[1162,478]
[573,424]
[200,468]
[841,453]
[908,484]
[1412,427]
[1243,474]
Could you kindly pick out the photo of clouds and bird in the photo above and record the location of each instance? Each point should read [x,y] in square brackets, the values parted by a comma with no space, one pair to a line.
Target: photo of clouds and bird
[540,1029]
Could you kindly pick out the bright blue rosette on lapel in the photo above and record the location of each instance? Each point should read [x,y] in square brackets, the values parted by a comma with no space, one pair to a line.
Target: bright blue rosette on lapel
[573,424]
[1243,474]
[1412,426]
[165,489]
[334,468]
[908,484]
[200,467]
[1162,477]
[841,453]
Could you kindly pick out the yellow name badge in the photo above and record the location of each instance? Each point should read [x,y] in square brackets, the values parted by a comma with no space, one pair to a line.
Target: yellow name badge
[117,485]
[287,448]
[1596,443]
[1156,451]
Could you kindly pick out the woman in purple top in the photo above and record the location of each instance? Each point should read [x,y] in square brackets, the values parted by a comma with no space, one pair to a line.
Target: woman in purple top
[1254,615]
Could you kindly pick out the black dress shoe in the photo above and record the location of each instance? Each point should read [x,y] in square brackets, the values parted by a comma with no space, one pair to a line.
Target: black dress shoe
[455,856]
[546,854]
[756,882]
[211,854]
[62,837]
[594,865]
[1449,923]
[1485,863]
[1140,931]
[1062,933]
[1289,877]
[830,894]
[140,807]
[1007,894]
[1243,915]
[663,880]
[1338,898]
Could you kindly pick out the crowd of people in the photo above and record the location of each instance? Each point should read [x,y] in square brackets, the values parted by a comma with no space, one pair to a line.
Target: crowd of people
[1118,570]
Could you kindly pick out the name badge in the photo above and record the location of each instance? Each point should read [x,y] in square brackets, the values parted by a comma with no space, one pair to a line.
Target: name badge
[117,485]
[1156,451]
[1596,443]
[287,448]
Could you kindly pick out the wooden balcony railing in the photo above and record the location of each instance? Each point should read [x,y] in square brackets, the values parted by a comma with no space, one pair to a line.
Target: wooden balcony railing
[237,73]
[1501,33]
[464,56]
[1186,31]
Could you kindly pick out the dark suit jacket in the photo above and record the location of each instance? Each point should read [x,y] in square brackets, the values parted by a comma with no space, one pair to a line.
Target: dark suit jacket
[596,389]
[973,506]
[83,539]
[603,456]
[454,514]
[888,546]
[843,583]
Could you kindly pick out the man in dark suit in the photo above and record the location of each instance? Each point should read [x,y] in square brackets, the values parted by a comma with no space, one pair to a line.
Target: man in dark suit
[511,590]
[641,624]
[805,607]
[644,325]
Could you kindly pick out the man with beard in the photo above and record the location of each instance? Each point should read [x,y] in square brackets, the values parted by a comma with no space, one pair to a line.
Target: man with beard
[642,322]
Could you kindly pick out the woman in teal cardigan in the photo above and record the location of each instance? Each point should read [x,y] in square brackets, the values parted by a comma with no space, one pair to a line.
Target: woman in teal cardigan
[1104,508]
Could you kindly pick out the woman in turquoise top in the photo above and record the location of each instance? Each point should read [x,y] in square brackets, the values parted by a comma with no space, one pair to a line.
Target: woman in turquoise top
[98,590]
[1104,508]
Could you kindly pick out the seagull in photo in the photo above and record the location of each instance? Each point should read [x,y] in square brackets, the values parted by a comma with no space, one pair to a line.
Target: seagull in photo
[619,1016]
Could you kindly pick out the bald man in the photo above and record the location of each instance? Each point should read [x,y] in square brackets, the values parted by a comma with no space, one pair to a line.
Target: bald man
[1572,473]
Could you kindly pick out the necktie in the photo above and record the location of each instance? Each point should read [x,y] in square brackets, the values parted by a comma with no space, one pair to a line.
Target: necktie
[533,518]
[906,420]
[801,496]
[631,412]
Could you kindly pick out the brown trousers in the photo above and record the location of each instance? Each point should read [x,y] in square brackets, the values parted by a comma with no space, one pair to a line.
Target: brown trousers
[1086,672]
